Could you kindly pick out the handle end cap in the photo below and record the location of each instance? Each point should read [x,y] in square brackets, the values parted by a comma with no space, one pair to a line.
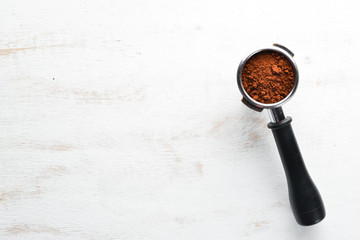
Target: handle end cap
[313,217]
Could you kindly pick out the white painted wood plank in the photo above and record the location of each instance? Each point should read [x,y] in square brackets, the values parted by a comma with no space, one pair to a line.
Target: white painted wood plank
[122,119]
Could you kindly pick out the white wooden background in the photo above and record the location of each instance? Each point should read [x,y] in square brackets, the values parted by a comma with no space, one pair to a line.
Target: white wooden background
[122,119]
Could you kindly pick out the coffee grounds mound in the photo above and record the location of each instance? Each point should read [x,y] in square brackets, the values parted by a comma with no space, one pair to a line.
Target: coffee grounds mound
[268,77]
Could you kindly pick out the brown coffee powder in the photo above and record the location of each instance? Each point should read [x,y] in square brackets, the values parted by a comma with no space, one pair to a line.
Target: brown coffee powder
[268,77]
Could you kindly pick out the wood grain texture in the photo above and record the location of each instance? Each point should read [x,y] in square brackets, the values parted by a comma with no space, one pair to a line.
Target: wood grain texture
[122,119]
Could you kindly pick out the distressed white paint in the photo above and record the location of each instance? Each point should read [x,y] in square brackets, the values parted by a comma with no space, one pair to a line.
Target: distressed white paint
[122,119]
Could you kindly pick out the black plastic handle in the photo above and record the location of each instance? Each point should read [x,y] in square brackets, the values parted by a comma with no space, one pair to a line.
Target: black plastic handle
[305,199]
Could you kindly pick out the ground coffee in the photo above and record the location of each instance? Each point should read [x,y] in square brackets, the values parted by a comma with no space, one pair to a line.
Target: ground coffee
[268,77]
